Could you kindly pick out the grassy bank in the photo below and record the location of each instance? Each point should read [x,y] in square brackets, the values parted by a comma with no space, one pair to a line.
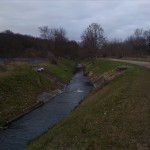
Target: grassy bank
[115,117]
[101,66]
[20,85]
[64,69]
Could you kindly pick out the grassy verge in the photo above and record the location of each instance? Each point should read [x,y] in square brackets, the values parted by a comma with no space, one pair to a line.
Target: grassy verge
[64,69]
[101,66]
[20,85]
[115,117]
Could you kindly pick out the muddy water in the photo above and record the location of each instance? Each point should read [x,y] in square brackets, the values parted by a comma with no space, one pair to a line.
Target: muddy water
[38,121]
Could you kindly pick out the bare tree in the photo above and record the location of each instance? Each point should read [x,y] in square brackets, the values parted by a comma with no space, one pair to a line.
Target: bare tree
[93,38]
[59,34]
[138,33]
[52,33]
[56,37]
[139,41]
[147,38]
[45,32]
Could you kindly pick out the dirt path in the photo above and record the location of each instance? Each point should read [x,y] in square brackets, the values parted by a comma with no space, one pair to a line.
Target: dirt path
[139,63]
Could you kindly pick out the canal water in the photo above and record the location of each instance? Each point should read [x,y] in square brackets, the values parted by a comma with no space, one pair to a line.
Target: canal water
[40,120]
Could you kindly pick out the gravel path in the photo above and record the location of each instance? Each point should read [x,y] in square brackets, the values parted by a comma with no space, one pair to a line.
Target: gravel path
[139,63]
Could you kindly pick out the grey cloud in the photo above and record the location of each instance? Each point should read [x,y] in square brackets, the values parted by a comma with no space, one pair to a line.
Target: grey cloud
[118,18]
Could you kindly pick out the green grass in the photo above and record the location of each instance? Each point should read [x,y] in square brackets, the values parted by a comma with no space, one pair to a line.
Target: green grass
[64,70]
[20,85]
[115,117]
[100,66]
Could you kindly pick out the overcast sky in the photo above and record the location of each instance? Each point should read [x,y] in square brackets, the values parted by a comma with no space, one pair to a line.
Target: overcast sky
[119,18]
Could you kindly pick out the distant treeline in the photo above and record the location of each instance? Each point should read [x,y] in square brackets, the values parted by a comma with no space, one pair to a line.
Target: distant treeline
[136,45]
[14,45]
[53,44]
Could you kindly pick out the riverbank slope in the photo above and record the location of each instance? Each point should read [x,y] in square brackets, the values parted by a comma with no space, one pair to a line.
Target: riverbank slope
[21,84]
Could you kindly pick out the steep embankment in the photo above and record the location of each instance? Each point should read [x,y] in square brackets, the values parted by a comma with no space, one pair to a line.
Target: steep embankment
[114,117]
[20,85]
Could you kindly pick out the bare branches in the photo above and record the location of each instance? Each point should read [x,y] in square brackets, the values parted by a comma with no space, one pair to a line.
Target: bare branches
[93,36]
[44,32]
[52,33]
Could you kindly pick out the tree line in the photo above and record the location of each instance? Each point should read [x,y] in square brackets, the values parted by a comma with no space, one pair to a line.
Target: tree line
[136,45]
[53,43]
[16,45]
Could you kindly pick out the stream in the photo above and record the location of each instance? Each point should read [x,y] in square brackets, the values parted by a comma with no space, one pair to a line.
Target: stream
[40,120]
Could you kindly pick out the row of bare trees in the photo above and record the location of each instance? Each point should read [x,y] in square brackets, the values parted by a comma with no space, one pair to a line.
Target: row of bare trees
[136,45]
[53,42]
[92,41]
[95,44]
[58,41]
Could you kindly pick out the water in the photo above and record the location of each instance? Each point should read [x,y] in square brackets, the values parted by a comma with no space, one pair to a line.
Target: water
[40,120]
